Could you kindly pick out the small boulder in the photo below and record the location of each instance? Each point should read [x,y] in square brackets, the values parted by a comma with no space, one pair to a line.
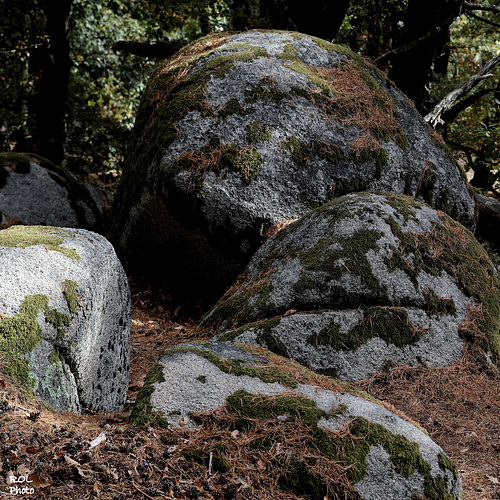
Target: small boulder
[364,282]
[34,191]
[353,444]
[65,315]
[237,133]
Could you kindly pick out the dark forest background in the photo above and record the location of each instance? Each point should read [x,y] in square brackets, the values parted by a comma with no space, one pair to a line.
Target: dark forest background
[72,71]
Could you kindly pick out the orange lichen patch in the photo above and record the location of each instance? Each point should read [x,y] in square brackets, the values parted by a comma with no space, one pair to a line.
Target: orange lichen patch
[277,228]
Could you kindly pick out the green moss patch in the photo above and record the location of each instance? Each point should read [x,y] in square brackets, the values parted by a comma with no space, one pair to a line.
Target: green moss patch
[299,152]
[233,107]
[350,258]
[21,333]
[257,132]
[452,249]
[213,458]
[142,413]
[390,324]
[218,157]
[347,450]
[71,295]
[243,301]
[26,236]
[267,373]
[437,306]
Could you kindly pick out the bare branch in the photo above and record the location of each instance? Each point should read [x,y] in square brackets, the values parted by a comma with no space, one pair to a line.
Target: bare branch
[478,6]
[434,117]
[393,54]
[483,20]
[449,115]
[158,50]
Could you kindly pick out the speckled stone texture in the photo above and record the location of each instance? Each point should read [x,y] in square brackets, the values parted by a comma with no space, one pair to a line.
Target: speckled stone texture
[65,315]
[364,282]
[238,133]
[203,376]
[34,191]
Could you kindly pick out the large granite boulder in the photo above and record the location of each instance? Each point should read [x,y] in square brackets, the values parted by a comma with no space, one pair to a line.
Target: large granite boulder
[363,282]
[332,437]
[34,191]
[237,133]
[65,317]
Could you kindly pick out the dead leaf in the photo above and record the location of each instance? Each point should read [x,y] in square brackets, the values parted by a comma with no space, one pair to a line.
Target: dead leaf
[98,440]
[23,470]
[234,433]
[184,421]
[493,480]
[260,464]
[37,482]
[3,384]
[96,487]
[72,462]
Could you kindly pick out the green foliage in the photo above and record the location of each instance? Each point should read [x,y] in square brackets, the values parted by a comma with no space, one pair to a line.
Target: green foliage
[104,87]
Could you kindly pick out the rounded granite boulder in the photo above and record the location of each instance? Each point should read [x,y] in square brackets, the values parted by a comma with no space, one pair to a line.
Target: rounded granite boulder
[237,133]
[321,435]
[366,281]
[65,315]
[34,191]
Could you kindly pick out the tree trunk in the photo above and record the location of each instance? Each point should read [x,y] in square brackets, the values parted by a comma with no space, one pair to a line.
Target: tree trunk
[52,77]
[411,72]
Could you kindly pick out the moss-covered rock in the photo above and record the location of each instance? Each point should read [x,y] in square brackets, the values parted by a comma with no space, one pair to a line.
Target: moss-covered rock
[236,133]
[339,439]
[365,280]
[64,317]
[34,191]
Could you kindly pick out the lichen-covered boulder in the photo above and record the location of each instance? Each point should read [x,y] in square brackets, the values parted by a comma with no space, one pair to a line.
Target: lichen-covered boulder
[239,132]
[336,427]
[65,317]
[365,281]
[34,191]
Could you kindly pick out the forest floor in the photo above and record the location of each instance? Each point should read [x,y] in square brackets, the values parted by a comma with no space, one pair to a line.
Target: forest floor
[100,456]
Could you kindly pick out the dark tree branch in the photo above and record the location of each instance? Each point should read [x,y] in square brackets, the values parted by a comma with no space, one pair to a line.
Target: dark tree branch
[434,117]
[477,6]
[400,51]
[483,20]
[395,53]
[468,151]
[158,50]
